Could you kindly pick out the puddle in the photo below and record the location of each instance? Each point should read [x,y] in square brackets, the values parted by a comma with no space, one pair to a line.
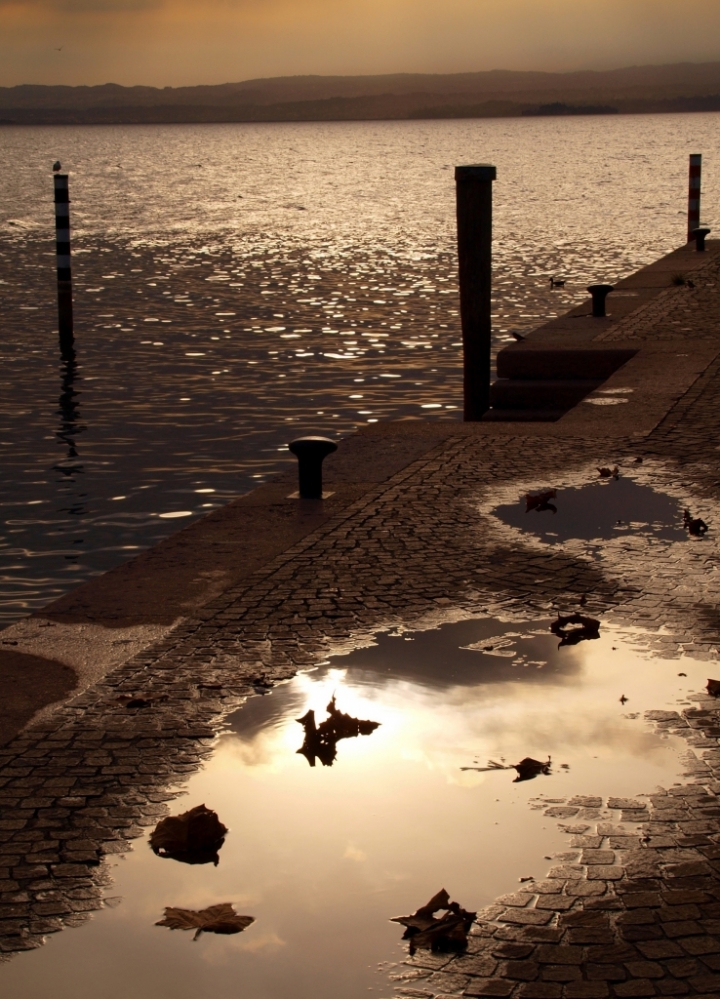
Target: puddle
[322,856]
[601,510]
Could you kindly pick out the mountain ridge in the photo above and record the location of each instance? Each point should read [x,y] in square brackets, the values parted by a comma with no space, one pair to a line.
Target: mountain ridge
[491,93]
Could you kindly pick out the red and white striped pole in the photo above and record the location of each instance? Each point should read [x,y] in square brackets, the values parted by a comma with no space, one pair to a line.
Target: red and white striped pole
[694,195]
[62,250]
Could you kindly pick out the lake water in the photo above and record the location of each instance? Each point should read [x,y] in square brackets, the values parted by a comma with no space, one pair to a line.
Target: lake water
[239,285]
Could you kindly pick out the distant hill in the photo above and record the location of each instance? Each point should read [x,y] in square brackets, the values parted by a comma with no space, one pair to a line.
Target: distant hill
[498,93]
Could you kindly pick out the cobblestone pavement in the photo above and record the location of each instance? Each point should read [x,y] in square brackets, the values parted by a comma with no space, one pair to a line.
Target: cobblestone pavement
[634,907]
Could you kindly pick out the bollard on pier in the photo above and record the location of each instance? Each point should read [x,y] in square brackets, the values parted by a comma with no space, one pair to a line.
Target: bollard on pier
[62,250]
[310,453]
[694,195]
[699,235]
[599,293]
[474,236]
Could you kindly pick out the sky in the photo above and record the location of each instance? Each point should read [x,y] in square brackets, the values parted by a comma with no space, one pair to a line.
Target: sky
[189,42]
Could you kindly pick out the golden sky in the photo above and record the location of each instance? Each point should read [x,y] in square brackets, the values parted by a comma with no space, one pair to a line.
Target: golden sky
[181,42]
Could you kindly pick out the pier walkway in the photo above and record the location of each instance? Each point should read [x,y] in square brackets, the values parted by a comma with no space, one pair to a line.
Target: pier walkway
[269,585]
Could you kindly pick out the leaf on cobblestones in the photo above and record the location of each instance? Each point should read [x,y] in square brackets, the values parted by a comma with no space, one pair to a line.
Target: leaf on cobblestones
[526,769]
[192,838]
[321,740]
[574,628]
[713,688]
[694,525]
[447,932]
[608,473]
[137,701]
[215,919]
[541,501]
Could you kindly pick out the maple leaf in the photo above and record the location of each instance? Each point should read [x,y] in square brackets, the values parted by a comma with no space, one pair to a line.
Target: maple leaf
[220,918]
[192,838]
[321,740]
[448,932]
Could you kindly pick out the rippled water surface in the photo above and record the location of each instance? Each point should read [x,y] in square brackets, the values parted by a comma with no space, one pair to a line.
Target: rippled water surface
[238,285]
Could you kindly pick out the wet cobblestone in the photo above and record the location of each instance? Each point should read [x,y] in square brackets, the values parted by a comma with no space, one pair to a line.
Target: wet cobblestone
[634,907]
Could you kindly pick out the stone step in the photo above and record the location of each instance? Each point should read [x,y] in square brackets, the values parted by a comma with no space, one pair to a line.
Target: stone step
[530,363]
[553,394]
[523,415]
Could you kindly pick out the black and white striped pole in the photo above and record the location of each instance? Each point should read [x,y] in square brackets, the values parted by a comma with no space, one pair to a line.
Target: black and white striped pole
[62,249]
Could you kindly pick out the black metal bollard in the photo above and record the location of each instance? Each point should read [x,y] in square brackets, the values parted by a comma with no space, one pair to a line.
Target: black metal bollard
[699,235]
[474,237]
[62,251]
[310,453]
[599,293]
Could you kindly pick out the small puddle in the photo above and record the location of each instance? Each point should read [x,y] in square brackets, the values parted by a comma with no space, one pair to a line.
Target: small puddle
[322,856]
[598,511]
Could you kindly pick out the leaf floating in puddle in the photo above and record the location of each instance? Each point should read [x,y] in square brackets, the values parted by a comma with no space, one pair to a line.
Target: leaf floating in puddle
[192,838]
[321,740]
[215,919]
[541,501]
[448,932]
[574,628]
[694,525]
[609,473]
[713,688]
[527,769]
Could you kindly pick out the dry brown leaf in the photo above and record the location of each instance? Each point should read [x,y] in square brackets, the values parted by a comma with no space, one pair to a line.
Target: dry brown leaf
[695,525]
[220,918]
[448,932]
[193,837]
[587,628]
[541,501]
[321,740]
[526,769]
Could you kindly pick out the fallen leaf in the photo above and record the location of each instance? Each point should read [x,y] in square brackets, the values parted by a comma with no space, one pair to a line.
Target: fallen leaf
[608,473]
[713,688]
[694,525]
[587,628]
[140,701]
[192,838]
[215,919]
[623,699]
[526,769]
[449,932]
[321,740]
[540,501]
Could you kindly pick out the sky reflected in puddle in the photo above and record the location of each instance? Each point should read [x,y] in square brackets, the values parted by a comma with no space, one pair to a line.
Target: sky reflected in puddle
[600,510]
[323,856]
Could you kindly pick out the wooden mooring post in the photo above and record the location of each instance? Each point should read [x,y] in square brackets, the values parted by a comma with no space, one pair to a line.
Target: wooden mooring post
[62,250]
[694,195]
[474,236]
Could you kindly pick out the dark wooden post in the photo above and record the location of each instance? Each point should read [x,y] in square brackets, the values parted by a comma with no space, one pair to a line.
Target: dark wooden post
[62,249]
[694,182]
[474,234]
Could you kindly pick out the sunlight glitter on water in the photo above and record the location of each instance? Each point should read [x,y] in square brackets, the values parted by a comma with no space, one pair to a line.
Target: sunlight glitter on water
[371,259]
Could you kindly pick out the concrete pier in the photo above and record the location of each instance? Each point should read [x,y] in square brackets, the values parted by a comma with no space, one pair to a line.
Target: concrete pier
[265,586]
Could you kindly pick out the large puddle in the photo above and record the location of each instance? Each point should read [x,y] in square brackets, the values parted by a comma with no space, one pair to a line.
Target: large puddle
[599,510]
[322,856]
